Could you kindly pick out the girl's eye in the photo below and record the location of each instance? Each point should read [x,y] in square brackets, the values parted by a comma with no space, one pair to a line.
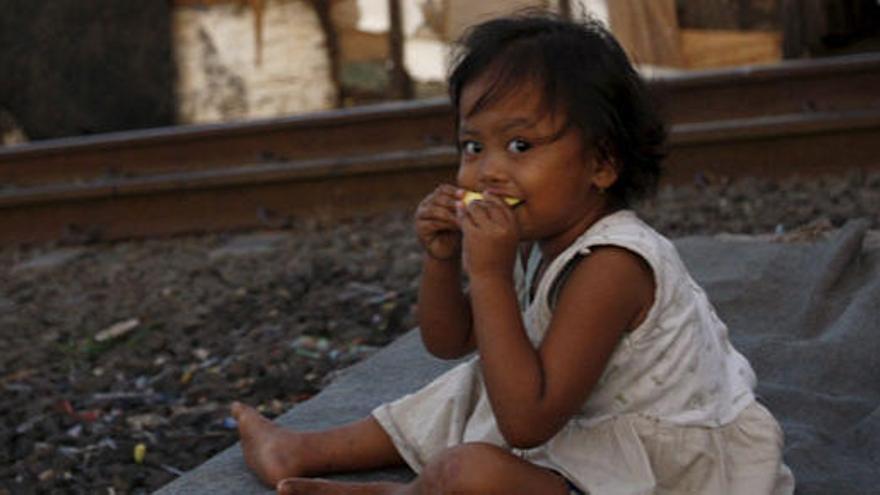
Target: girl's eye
[518,146]
[471,147]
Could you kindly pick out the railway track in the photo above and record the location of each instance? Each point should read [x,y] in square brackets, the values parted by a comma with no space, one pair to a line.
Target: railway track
[801,117]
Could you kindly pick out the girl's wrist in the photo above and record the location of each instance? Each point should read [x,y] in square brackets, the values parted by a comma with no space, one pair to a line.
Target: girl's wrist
[427,256]
[490,280]
[431,263]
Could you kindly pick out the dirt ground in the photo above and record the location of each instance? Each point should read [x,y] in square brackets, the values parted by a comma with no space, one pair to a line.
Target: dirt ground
[118,361]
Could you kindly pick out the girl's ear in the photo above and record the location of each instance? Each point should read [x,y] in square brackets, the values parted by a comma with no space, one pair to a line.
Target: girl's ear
[604,172]
[605,167]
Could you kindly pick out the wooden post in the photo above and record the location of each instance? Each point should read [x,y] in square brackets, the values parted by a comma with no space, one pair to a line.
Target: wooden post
[331,40]
[648,31]
[804,24]
[401,85]
[565,9]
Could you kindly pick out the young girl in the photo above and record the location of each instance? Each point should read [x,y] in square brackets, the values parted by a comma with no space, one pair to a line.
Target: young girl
[600,365]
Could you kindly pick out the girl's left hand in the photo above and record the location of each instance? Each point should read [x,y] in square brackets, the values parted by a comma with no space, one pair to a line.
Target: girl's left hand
[490,236]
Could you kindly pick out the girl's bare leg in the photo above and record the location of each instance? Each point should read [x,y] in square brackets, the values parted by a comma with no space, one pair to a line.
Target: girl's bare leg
[275,453]
[469,469]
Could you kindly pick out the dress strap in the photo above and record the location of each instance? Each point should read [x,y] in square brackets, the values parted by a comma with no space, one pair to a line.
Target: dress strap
[533,264]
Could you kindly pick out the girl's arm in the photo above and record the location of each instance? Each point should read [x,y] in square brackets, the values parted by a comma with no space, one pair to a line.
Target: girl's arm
[444,312]
[534,392]
[443,309]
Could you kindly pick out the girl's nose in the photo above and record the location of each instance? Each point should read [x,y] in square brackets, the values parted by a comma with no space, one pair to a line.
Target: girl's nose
[491,169]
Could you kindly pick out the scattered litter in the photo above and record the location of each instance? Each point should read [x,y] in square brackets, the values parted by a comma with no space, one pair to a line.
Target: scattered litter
[43,448]
[320,347]
[384,298]
[74,431]
[310,347]
[29,424]
[117,330]
[230,423]
[140,451]
[89,416]
[250,244]
[18,387]
[66,407]
[107,442]
[171,469]
[810,232]
[52,259]
[145,421]
[141,382]
[69,451]
[18,375]
[209,363]
[358,290]
[146,396]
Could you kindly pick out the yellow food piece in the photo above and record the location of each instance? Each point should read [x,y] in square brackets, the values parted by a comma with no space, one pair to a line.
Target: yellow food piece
[140,451]
[473,196]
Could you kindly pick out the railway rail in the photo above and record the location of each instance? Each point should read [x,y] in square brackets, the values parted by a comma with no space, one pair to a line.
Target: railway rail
[799,117]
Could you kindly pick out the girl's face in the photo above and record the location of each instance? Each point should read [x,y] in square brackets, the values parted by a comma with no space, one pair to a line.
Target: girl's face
[515,147]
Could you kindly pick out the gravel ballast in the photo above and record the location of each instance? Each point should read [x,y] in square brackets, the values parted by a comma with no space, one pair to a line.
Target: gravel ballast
[118,360]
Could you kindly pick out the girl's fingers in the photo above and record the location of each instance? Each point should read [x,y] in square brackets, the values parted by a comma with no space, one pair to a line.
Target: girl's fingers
[444,196]
[504,213]
[447,189]
[437,213]
[481,212]
[464,214]
[497,202]
[490,209]
[431,226]
[447,193]
[491,213]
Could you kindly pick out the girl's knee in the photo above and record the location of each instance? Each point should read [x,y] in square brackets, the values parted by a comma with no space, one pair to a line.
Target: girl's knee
[467,468]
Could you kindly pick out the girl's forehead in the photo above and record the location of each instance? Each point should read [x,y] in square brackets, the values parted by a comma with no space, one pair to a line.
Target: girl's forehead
[486,96]
[513,110]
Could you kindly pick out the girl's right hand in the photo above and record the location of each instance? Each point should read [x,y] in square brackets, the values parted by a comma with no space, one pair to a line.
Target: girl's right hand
[437,224]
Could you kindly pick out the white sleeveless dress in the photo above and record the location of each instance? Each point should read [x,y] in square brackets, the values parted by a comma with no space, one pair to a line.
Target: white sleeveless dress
[673,412]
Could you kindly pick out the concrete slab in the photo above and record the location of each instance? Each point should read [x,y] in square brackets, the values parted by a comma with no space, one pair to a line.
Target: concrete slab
[400,368]
[817,333]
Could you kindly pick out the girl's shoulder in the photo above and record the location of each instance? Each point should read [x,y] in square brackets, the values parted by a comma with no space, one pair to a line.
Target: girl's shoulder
[624,228]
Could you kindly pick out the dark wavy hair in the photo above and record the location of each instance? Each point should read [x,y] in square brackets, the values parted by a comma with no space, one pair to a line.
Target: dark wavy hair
[583,71]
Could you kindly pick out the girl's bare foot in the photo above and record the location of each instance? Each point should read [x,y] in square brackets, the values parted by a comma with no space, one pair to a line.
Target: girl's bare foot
[269,450]
[301,486]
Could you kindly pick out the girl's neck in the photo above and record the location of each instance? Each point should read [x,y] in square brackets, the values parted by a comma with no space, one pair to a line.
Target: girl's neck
[551,247]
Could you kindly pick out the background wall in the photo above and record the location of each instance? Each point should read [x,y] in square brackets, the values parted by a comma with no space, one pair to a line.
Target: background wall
[236,61]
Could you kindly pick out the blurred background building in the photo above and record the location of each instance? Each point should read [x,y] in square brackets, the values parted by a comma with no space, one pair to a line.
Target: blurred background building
[74,68]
